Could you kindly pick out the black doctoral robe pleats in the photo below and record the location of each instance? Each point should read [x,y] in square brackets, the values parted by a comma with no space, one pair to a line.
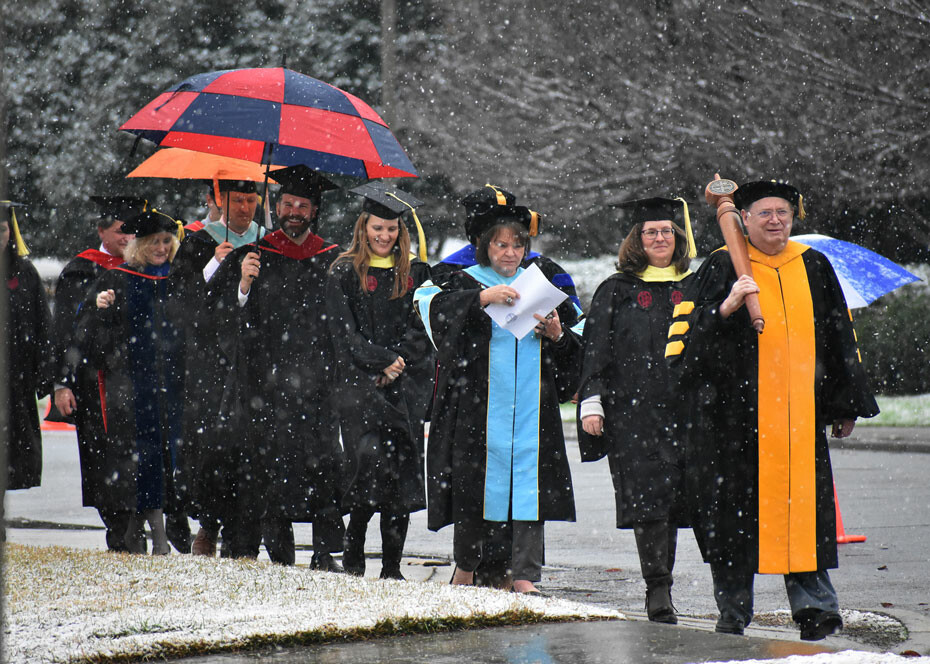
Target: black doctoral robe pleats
[279,448]
[382,427]
[624,362]
[76,280]
[759,474]
[29,371]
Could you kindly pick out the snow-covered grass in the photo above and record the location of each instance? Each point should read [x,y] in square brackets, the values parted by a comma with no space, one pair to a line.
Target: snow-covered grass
[69,605]
[904,411]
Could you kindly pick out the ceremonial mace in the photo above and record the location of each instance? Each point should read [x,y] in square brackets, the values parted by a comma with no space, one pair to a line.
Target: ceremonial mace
[719,194]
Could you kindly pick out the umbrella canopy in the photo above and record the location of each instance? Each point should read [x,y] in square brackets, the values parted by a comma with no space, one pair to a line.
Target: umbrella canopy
[274,115]
[179,164]
[864,275]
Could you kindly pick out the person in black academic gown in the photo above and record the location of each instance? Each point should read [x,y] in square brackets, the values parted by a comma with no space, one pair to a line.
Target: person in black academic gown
[283,459]
[28,355]
[496,450]
[131,333]
[77,390]
[625,409]
[385,367]
[480,205]
[206,364]
[759,473]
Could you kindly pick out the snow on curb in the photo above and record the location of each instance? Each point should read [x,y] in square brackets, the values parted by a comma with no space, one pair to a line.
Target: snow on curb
[842,657]
[67,605]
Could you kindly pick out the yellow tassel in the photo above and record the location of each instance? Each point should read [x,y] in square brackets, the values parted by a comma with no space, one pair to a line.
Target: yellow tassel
[21,248]
[534,223]
[217,196]
[801,212]
[421,236]
[692,248]
[501,199]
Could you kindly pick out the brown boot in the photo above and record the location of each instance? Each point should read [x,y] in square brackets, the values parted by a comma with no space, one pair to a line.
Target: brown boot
[204,544]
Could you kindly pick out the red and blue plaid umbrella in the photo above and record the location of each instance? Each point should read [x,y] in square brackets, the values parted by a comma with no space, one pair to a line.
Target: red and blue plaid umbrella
[274,116]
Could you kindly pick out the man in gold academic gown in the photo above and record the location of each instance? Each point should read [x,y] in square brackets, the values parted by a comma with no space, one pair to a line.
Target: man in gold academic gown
[757,410]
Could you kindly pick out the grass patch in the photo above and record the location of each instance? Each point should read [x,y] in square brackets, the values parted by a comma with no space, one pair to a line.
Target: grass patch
[901,411]
[68,605]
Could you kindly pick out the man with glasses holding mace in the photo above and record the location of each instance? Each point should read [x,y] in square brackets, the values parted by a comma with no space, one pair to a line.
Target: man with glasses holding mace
[760,388]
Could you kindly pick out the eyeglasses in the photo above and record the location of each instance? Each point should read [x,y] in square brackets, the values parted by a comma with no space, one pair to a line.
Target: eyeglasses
[766,215]
[652,232]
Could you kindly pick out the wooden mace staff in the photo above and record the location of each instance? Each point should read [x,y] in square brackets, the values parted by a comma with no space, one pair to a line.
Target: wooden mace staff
[719,194]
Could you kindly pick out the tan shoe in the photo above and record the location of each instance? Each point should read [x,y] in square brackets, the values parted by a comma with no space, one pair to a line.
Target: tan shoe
[204,544]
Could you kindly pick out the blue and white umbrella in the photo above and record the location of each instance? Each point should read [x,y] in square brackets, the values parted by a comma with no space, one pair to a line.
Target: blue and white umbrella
[864,275]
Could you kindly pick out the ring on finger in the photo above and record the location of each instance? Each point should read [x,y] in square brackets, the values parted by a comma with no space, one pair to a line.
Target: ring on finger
[509,300]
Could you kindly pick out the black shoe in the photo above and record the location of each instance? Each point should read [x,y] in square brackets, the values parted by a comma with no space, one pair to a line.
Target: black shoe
[392,573]
[353,562]
[325,563]
[817,625]
[178,530]
[725,626]
[659,606]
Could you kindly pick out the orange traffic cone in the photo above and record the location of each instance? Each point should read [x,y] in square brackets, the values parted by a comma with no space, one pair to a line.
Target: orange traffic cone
[841,536]
[54,426]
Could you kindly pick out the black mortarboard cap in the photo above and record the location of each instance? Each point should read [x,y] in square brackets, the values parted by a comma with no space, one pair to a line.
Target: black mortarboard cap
[491,205]
[148,223]
[120,207]
[748,193]
[301,181]
[243,186]
[384,200]
[657,208]
[652,209]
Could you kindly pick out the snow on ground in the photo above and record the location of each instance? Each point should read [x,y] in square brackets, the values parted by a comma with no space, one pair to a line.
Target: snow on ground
[843,657]
[68,605]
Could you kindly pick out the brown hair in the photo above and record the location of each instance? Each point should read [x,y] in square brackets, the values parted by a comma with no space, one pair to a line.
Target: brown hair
[520,233]
[359,254]
[632,259]
[136,250]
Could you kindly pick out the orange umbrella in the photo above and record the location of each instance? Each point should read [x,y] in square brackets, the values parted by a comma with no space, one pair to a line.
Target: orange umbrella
[180,164]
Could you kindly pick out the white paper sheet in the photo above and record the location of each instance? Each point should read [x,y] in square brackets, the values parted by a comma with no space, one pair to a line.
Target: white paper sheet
[537,296]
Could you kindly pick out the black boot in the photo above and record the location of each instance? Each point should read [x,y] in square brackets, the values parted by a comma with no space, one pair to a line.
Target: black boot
[353,554]
[656,542]
[178,529]
[393,535]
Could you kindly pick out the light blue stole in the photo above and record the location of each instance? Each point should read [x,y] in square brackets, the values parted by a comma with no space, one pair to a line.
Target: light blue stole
[514,390]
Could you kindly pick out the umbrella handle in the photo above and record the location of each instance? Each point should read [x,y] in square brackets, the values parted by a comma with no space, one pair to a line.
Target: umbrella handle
[719,194]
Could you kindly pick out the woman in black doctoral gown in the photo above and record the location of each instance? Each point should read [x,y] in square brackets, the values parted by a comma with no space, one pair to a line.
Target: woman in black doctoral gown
[133,334]
[384,376]
[28,356]
[624,404]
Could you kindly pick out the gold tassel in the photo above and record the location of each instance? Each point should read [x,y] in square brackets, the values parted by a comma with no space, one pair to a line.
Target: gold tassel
[421,236]
[534,223]
[501,199]
[177,222]
[801,212]
[692,247]
[217,195]
[21,248]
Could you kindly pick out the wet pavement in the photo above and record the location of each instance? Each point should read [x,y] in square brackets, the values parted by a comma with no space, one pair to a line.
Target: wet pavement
[883,494]
[629,642]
